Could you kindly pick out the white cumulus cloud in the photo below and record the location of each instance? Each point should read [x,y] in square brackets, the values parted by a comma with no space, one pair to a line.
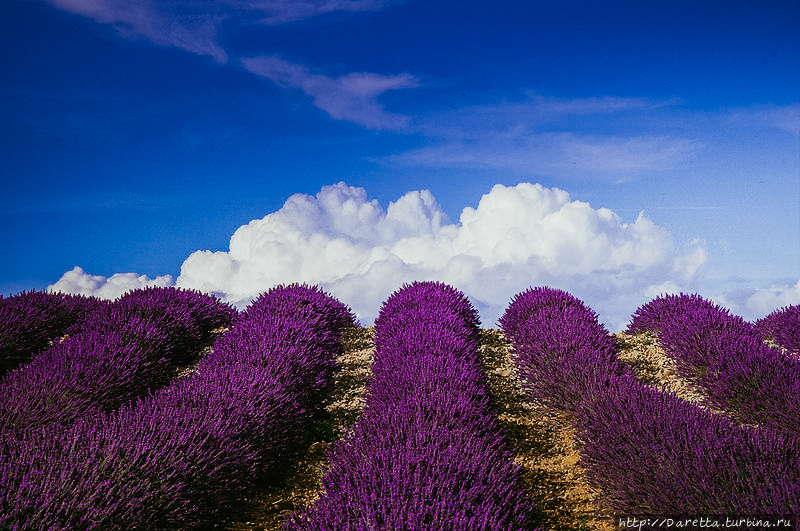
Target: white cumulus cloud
[516,237]
[755,303]
[77,281]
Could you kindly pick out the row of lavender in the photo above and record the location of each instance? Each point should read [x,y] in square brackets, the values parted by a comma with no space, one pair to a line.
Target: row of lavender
[31,320]
[565,334]
[187,454]
[124,348]
[649,451]
[782,327]
[728,357]
[427,452]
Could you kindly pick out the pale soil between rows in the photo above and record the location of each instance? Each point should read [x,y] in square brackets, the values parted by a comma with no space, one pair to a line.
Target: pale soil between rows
[546,449]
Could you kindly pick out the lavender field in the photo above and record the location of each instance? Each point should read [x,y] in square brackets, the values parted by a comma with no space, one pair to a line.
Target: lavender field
[168,409]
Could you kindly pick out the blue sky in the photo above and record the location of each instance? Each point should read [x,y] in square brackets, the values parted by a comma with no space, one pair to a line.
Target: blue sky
[135,137]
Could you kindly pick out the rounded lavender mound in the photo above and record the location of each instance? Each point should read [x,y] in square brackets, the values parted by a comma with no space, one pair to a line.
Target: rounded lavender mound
[727,357]
[126,349]
[563,352]
[782,327]
[30,321]
[186,456]
[427,452]
[650,452]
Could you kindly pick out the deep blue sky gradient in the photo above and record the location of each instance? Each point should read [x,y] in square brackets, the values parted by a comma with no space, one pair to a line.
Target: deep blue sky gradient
[120,154]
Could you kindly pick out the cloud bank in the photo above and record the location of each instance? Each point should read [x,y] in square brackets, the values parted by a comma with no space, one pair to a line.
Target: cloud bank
[516,237]
[80,282]
[756,303]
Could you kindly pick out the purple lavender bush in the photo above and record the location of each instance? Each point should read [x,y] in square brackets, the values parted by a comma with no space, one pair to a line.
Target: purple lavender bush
[525,305]
[85,375]
[186,456]
[310,373]
[178,460]
[728,359]
[410,309]
[562,350]
[191,316]
[649,451]
[30,321]
[652,453]
[427,452]
[422,294]
[126,349]
[783,327]
[650,317]
[293,297]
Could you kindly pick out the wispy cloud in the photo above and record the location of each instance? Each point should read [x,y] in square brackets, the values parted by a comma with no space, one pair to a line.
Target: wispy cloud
[551,136]
[194,30]
[624,154]
[788,118]
[535,113]
[283,11]
[352,97]
[193,25]
[560,154]
[784,117]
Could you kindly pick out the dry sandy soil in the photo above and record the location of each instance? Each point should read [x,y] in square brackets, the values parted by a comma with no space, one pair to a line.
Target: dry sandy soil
[546,449]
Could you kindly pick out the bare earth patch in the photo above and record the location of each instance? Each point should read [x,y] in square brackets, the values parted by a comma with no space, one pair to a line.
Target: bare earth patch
[643,353]
[545,446]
